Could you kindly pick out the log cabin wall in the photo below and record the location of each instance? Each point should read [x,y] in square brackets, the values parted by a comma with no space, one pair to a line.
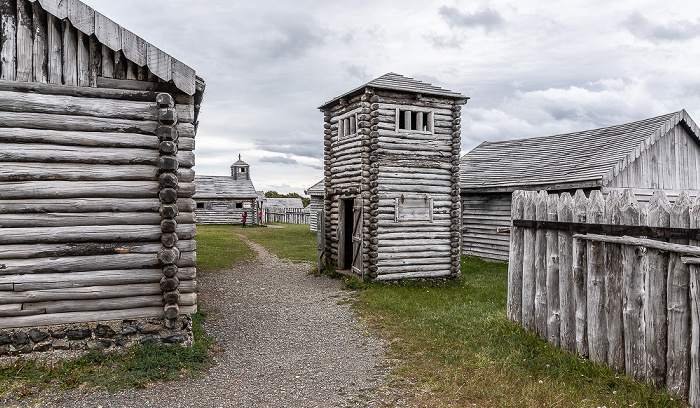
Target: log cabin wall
[393,155]
[96,154]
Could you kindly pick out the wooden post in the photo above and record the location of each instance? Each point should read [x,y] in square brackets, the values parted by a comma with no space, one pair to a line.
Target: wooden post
[55,50]
[39,49]
[553,304]
[580,270]
[567,298]
[515,263]
[655,289]
[613,288]
[8,39]
[529,254]
[694,286]
[678,308]
[597,321]
[633,277]
[541,267]
[25,42]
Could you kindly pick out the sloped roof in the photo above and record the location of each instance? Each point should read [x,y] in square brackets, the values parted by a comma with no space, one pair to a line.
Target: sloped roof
[223,187]
[316,190]
[395,82]
[572,160]
[139,51]
[283,203]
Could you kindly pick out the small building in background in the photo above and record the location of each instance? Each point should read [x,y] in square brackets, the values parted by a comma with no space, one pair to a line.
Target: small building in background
[657,153]
[224,199]
[316,193]
[392,206]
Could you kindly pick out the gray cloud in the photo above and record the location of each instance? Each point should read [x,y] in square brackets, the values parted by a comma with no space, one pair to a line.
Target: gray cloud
[278,160]
[487,18]
[357,71]
[303,148]
[679,30]
[293,37]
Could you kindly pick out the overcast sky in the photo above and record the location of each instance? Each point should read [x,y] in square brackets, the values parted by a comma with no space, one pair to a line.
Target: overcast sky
[531,68]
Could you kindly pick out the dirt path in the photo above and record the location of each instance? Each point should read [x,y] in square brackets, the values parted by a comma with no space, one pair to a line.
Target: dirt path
[290,340]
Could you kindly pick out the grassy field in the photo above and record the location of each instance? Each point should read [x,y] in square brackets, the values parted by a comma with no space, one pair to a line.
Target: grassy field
[219,246]
[288,241]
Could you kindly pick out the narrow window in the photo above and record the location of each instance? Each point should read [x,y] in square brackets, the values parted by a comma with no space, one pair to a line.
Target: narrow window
[402,120]
[341,129]
[353,125]
[239,205]
[200,206]
[414,120]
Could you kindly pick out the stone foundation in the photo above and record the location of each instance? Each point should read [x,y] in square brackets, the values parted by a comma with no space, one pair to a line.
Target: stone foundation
[113,334]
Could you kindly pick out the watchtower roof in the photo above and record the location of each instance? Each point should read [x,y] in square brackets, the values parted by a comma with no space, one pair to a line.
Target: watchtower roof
[395,82]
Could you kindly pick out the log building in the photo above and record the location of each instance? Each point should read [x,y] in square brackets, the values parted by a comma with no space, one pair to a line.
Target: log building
[224,199]
[657,153]
[392,207]
[96,153]
[315,192]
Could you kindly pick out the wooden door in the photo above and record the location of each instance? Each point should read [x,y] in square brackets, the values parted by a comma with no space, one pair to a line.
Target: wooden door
[357,238]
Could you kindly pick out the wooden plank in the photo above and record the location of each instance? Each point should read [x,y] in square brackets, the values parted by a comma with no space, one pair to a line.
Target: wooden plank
[58,8]
[552,268]
[8,40]
[567,299]
[18,171]
[89,205]
[40,46]
[64,306]
[678,308]
[90,248]
[655,302]
[529,255]
[159,63]
[76,123]
[25,42]
[107,62]
[78,189]
[597,318]
[694,305]
[81,16]
[541,289]
[613,288]
[83,60]
[183,77]
[86,219]
[580,270]
[69,57]
[85,139]
[55,50]
[108,32]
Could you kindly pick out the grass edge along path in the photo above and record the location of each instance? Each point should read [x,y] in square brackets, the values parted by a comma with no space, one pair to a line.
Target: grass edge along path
[456,349]
[294,242]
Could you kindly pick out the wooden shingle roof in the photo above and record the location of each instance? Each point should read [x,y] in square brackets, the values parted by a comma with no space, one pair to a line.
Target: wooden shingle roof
[223,188]
[395,82]
[135,49]
[573,160]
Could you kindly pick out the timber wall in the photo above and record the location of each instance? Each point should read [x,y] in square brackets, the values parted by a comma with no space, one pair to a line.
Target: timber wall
[613,280]
[315,206]
[220,212]
[96,219]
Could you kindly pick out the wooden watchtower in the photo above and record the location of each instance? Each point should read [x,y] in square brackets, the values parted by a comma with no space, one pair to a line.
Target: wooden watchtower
[392,204]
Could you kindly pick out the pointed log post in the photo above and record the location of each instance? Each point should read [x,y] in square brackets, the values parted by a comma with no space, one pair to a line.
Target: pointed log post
[613,288]
[553,303]
[694,286]
[580,275]
[655,301]
[633,277]
[597,322]
[678,308]
[567,298]
[515,263]
[541,267]
[529,254]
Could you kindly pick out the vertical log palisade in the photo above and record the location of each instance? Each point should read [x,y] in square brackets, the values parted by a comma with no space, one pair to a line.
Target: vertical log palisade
[392,206]
[97,132]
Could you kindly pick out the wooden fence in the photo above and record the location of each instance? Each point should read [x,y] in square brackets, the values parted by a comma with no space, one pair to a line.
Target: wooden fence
[288,215]
[612,279]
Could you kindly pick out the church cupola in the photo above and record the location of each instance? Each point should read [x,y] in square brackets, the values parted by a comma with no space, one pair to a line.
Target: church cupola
[240,170]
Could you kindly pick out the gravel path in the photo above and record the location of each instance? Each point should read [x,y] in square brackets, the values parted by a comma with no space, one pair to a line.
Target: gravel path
[289,339]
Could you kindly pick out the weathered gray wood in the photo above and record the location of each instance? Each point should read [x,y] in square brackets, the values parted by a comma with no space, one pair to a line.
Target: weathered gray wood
[39,153]
[552,280]
[86,189]
[83,60]
[633,277]
[86,139]
[515,264]
[678,308]
[70,54]
[18,171]
[694,305]
[580,270]
[86,219]
[89,205]
[529,255]
[65,306]
[23,251]
[597,321]
[78,264]
[55,50]
[655,301]
[89,316]
[102,233]
[25,42]
[76,123]
[8,40]
[613,288]
[567,298]
[413,275]
[40,46]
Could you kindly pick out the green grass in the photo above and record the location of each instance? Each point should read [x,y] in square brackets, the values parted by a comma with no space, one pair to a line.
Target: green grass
[293,241]
[458,349]
[219,247]
[112,371]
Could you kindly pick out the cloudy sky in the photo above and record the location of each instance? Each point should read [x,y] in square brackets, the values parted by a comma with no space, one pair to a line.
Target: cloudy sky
[531,68]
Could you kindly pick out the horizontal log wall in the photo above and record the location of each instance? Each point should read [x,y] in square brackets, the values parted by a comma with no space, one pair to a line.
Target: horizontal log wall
[485,226]
[224,212]
[315,206]
[627,302]
[96,199]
